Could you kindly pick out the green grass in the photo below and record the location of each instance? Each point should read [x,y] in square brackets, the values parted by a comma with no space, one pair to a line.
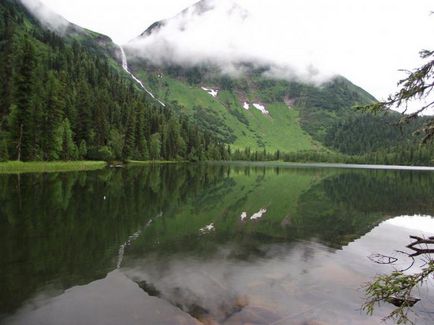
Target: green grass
[18,167]
[279,131]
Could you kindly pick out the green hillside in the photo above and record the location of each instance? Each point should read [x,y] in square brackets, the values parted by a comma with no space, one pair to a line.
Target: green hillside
[299,115]
[64,96]
[224,115]
[254,107]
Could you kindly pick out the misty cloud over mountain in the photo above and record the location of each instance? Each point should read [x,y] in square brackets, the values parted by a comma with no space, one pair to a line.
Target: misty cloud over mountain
[47,17]
[225,34]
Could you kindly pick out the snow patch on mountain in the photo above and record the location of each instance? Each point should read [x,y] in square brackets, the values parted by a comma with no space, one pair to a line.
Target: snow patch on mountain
[259,214]
[212,92]
[261,108]
[255,216]
[207,229]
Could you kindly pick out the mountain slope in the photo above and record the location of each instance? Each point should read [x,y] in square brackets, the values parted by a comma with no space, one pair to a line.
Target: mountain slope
[34,13]
[64,95]
[253,108]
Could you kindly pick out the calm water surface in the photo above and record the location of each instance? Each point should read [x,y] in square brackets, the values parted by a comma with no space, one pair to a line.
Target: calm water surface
[192,244]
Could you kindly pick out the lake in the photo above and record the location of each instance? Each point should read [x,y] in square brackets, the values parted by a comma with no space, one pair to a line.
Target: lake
[212,244]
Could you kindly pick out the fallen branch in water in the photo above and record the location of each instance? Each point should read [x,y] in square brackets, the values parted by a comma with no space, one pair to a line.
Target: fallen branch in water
[397,287]
[420,241]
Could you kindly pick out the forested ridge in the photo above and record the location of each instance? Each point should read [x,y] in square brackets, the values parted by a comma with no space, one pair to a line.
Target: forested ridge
[61,100]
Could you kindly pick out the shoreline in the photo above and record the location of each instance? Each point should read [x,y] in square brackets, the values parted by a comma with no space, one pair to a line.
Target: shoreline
[17,167]
[323,165]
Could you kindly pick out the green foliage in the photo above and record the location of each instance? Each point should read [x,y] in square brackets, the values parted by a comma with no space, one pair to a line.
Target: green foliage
[4,154]
[418,85]
[82,149]
[389,287]
[103,153]
[63,95]
[209,120]
[116,142]
[155,147]
[422,155]
[362,134]
[69,149]
[300,114]
[225,118]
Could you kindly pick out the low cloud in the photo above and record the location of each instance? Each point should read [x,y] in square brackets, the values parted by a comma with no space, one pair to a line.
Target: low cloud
[224,34]
[47,17]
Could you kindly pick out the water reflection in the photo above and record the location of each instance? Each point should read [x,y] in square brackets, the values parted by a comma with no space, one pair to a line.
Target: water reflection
[418,223]
[278,245]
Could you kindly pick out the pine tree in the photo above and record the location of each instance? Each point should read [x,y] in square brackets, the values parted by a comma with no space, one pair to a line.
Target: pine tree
[68,146]
[23,93]
[6,64]
[82,149]
[130,136]
[140,153]
[84,104]
[155,146]
[53,132]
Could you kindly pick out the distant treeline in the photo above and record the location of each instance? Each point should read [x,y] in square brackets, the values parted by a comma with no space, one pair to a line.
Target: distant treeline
[418,155]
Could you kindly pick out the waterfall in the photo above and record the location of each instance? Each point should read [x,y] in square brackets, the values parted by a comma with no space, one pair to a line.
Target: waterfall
[125,67]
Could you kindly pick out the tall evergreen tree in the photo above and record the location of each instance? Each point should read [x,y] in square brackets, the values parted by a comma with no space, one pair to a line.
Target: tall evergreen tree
[22,130]
[130,136]
[52,137]
[6,63]
[155,146]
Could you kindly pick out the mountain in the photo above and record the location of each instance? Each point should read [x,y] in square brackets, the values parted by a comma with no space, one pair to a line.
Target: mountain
[254,107]
[65,95]
[36,13]
[70,93]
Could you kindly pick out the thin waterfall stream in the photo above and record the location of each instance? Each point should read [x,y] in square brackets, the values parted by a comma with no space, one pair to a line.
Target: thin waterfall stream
[125,67]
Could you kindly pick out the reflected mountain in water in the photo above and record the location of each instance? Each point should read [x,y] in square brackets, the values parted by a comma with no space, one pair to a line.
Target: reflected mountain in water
[278,243]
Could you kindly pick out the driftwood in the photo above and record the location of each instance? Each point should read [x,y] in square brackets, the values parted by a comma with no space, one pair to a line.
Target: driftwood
[419,241]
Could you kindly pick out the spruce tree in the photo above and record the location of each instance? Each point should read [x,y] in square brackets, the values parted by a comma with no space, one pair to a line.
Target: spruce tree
[53,132]
[155,146]
[68,146]
[6,64]
[82,150]
[130,136]
[22,132]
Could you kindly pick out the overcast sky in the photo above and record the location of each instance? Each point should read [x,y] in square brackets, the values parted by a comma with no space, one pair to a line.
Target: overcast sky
[367,41]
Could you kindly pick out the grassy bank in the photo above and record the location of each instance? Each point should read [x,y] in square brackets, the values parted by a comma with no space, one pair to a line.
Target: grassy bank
[18,167]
